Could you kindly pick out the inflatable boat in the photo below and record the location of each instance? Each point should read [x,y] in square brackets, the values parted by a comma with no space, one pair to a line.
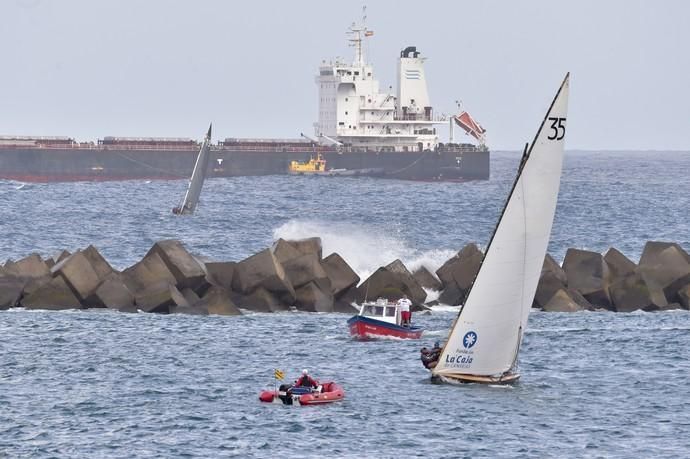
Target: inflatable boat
[328,392]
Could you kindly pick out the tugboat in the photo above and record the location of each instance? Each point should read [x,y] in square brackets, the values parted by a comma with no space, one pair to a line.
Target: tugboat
[381,319]
[313,166]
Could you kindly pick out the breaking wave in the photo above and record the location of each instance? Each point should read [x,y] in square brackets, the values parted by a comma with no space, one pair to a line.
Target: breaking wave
[364,247]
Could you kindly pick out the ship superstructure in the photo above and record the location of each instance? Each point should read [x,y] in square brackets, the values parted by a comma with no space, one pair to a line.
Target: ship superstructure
[354,111]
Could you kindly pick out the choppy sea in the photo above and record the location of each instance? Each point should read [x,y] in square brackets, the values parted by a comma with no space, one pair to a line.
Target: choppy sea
[105,384]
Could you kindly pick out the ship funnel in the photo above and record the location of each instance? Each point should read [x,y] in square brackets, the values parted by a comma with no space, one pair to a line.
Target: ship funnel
[413,101]
[409,50]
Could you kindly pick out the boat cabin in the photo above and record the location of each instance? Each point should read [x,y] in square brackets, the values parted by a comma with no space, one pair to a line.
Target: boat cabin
[382,310]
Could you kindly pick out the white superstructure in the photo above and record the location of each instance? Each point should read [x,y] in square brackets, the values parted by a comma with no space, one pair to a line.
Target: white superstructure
[353,110]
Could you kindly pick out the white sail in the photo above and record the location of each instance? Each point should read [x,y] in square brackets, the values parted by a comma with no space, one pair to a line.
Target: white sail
[486,336]
[191,198]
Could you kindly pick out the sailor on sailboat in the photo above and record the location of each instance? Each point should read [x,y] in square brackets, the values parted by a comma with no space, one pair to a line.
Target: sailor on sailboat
[191,198]
[485,339]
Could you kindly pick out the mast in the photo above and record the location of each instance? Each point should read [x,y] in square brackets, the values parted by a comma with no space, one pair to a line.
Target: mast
[359,31]
[451,122]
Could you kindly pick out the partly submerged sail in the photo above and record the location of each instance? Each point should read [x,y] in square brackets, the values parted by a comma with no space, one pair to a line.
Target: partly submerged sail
[191,198]
[485,339]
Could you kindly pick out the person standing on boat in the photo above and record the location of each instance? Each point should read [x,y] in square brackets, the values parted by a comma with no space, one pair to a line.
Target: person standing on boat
[405,314]
[306,381]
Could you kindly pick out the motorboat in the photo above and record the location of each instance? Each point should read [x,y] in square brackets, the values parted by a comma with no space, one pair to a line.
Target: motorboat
[381,319]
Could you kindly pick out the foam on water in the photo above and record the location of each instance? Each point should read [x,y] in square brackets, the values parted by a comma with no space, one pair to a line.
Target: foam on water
[365,246]
[431,295]
[445,308]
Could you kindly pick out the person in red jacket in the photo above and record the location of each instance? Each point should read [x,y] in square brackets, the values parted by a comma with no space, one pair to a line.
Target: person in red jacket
[306,381]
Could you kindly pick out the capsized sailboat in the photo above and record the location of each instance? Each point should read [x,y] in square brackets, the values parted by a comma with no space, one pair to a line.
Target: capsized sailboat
[191,198]
[485,339]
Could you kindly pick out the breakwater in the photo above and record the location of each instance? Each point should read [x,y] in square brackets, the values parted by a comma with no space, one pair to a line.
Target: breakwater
[589,280]
[295,275]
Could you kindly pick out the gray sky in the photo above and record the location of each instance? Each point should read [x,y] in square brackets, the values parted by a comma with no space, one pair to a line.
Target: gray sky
[88,69]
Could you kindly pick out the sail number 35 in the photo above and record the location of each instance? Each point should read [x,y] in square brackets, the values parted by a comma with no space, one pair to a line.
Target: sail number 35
[558,126]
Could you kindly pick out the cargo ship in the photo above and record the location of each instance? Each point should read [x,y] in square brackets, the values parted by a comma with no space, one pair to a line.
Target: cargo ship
[360,131]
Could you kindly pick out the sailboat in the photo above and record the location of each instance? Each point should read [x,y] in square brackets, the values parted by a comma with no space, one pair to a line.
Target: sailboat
[191,198]
[485,339]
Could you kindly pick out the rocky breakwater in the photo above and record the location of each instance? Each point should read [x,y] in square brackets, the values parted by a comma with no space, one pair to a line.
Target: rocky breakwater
[168,279]
[294,275]
[587,280]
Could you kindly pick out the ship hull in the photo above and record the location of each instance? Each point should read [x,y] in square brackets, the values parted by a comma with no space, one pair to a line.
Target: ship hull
[102,164]
[366,328]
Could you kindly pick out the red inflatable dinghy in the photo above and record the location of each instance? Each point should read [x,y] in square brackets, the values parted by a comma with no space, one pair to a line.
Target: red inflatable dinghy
[293,395]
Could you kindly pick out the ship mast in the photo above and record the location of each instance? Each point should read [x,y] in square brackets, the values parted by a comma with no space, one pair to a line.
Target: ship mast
[358,32]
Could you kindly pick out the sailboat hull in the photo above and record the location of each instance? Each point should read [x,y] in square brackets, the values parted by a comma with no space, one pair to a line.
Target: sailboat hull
[508,378]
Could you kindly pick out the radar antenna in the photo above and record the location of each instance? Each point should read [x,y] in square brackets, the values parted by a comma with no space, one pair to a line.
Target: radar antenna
[359,32]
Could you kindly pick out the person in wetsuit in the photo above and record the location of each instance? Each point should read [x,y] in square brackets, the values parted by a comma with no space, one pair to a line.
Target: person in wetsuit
[430,357]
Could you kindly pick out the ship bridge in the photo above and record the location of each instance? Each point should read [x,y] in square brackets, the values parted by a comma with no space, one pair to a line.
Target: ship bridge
[354,110]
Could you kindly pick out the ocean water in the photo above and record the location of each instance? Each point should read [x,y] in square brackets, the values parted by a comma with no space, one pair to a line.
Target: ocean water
[105,384]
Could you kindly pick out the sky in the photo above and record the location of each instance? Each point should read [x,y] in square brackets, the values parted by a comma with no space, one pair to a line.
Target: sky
[87,69]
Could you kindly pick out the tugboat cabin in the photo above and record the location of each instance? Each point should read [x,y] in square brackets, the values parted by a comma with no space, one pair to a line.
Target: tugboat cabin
[381,310]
